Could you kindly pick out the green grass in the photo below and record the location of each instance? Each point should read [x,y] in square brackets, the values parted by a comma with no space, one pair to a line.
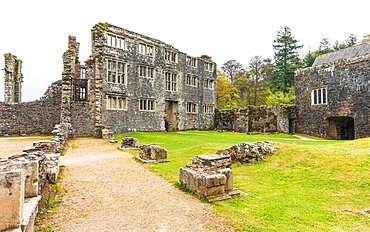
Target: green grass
[305,186]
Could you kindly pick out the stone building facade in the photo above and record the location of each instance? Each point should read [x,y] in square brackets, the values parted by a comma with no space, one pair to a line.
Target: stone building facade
[135,83]
[129,83]
[333,96]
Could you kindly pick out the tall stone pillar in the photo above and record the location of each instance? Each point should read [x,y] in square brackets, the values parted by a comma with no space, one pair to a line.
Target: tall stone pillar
[13,79]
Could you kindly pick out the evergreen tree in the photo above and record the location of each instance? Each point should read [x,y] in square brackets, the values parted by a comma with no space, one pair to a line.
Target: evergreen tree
[351,40]
[286,60]
[309,59]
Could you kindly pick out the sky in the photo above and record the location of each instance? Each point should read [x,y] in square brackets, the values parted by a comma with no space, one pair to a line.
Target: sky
[37,31]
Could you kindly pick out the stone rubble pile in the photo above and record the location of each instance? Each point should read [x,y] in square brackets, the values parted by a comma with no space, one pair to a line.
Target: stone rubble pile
[151,153]
[249,152]
[129,142]
[209,176]
[24,178]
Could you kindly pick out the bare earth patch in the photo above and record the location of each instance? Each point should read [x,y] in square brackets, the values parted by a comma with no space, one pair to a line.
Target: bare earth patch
[109,191]
[13,145]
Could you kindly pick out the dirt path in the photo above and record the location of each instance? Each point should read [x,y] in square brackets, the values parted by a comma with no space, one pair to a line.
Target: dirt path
[13,145]
[109,191]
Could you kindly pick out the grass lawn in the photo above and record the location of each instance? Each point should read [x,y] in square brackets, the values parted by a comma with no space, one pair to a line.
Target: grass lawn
[305,186]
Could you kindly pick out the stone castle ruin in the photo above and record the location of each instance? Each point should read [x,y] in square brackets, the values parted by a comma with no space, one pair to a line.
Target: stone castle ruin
[129,83]
[135,83]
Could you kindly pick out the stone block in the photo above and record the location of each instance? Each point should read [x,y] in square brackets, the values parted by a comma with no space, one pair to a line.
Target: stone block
[11,199]
[153,152]
[249,152]
[129,142]
[31,171]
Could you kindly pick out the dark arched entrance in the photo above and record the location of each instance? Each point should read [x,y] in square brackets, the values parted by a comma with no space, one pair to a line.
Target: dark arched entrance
[340,128]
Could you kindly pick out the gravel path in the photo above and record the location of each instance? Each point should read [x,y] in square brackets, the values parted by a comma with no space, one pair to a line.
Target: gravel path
[13,145]
[109,191]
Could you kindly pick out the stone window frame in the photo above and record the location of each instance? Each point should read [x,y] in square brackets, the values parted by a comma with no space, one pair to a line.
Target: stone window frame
[119,41]
[209,108]
[82,73]
[171,56]
[147,104]
[192,80]
[79,93]
[208,66]
[146,71]
[319,96]
[170,81]
[145,49]
[120,102]
[116,71]
[209,84]
[191,61]
[191,108]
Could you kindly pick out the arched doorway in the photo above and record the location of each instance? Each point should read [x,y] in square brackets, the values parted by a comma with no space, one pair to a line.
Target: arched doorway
[342,128]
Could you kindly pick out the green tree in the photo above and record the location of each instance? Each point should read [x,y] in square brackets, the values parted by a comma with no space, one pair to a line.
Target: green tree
[280,97]
[286,60]
[227,94]
[230,68]
[260,70]
[351,40]
[242,83]
[309,59]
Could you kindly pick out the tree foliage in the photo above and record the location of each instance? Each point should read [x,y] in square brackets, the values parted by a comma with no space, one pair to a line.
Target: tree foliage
[286,60]
[230,68]
[227,94]
[280,97]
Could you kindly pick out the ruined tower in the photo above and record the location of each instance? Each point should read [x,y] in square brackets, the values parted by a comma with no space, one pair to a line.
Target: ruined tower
[70,69]
[13,79]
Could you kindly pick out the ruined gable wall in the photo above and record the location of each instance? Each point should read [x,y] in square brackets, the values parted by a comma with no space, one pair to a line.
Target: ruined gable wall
[255,118]
[35,117]
[347,83]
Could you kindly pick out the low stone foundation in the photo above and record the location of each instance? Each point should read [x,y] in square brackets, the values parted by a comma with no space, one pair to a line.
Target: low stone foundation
[23,180]
[249,152]
[151,153]
[209,176]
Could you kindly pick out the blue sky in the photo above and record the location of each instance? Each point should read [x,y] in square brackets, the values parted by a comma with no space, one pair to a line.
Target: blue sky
[37,31]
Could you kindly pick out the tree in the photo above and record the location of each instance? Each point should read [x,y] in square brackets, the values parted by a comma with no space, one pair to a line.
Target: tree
[286,60]
[227,94]
[324,44]
[260,70]
[338,46]
[351,40]
[230,68]
[280,97]
[309,59]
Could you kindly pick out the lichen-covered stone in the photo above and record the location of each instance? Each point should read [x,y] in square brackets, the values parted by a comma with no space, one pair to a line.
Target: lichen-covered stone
[249,152]
[129,142]
[257,119]
[152,153]
[208,175]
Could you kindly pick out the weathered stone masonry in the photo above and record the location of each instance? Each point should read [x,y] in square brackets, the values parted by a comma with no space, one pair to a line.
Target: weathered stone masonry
[13,79]
[278,118]
[35,117]
[159,87]
[341,110]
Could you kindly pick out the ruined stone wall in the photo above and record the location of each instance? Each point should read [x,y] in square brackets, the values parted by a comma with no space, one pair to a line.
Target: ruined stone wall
[348,93]
[13,79]
[256,119]
[35,117]
[136,88]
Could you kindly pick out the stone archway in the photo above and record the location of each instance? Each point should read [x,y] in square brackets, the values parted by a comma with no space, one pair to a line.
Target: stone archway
[342,128]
